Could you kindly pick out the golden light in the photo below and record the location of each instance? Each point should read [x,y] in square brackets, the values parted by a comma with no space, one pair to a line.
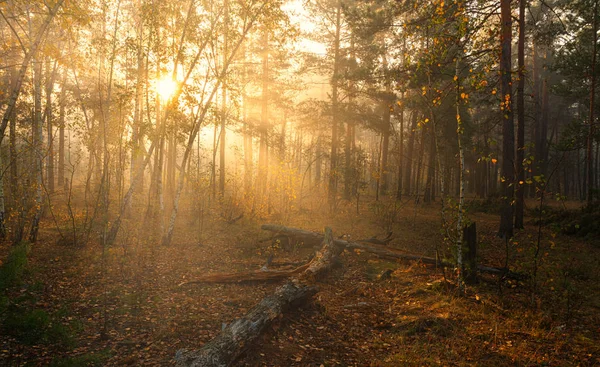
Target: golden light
[165,88]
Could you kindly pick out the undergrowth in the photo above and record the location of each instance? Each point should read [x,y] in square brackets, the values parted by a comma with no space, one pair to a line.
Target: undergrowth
[19,317]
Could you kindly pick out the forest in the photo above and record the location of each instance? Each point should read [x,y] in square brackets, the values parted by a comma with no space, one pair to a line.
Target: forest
[299,183]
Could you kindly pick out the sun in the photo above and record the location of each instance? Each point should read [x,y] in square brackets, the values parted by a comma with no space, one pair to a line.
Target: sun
[166,87]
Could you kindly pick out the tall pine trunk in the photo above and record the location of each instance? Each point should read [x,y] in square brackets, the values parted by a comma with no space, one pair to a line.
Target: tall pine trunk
[263,168]
[520,184]
[61,131]
[589,152]
[333,167]
[50,73]
[508,129]
[387,106]
[409,155]
[38,141]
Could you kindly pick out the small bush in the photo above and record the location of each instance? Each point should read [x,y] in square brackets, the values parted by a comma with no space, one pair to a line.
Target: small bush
[12,270]
[491,205]
[36,327]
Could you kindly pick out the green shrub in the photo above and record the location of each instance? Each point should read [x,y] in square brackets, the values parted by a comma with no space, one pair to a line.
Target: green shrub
[36,326]
[13,269]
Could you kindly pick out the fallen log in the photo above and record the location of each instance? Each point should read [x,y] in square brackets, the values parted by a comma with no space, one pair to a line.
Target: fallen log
[241,333]
[384,251]
[247,276]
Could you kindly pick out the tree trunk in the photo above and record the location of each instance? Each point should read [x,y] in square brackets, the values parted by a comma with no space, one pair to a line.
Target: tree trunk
[61,132]
[38,142]
[429,185]
[387,107]
[419,169]
[50,73]
[461,178]
[590,138]
[508,129]
[349,140]
[401,154]
[332,186]
[2,202]
[318,161]
[223,102]
[520,183]
[409,155]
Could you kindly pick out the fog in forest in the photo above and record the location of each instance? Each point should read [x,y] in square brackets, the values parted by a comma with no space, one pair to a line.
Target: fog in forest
[302,182]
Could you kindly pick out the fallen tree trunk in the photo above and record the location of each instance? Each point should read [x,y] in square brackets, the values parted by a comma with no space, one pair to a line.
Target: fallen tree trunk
[237,336]
[248,276]
[241,333]
[382,251]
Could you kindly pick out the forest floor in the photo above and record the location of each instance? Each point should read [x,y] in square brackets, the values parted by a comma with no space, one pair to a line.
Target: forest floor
[80,306]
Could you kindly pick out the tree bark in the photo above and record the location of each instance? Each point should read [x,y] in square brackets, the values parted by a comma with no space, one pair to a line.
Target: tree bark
[401,154]
[333,167]
[590,138]
[387,106]
[409,155]
[520,184]
[263,168]
[61,131]
[38,142]
[50,74]
[223,101]
[508,129]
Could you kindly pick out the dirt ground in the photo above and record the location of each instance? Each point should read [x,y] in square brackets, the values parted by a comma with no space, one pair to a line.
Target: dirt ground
[123,306]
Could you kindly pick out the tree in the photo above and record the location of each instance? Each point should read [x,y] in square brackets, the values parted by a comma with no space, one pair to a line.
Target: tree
[508,135]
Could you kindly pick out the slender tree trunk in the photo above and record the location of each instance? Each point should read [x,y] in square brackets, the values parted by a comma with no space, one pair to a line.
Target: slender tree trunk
[590,137]
[2,204]
[401,154]
[387,106]
[38,141]
[248,153]
[409,155]
[61,132]
[318,161]
[520,184]
[542,144]
[50,73]
[282,138]
[461,178]
[429,185]
[419,170]
[223,102]
[14,164]
[348,141]
[508,129]
[332,186]
[264,117]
